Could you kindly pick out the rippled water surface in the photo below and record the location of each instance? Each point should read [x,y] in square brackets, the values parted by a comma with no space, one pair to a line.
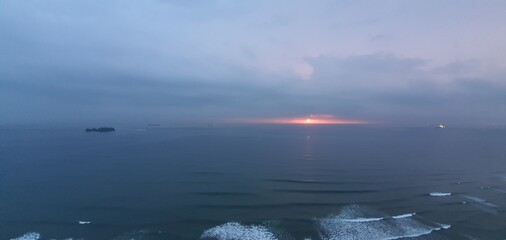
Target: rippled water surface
[264,182]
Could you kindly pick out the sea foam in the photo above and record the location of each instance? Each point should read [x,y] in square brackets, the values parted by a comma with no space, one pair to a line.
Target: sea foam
[404,215]
[439,194]
[28,236]
[339,226]
[236,231]
[372,219]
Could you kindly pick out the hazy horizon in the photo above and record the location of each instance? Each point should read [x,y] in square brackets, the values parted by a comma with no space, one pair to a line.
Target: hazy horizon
[409,63]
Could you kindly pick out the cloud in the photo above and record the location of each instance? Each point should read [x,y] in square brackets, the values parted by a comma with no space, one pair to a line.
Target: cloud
[178,61]
[398,90]
[377,87]
[367,70]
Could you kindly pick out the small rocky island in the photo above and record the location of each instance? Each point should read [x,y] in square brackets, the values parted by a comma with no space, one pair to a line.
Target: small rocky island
[101,129]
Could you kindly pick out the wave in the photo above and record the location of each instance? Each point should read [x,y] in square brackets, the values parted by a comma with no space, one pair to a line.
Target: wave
[445,226]
[361,219]
[132,235]
[323,191]
[474,199]
[36,236]
[482,204]
[404,215]
[316,182]
[222,193]
[235,231]
[137,235]
[211,173]
[365,228]
[470,237]
[440,194]
[460,182]
[480,200]
[269,206]
[353,222]
[298,181]
[500,190]
[28,236]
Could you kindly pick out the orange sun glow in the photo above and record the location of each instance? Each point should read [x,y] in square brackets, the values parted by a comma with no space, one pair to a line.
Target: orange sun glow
[312,119]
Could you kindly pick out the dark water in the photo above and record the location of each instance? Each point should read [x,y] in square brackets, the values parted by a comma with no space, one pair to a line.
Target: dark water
[269,182]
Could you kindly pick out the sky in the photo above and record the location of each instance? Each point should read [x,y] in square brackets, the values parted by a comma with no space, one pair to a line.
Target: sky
[417,62]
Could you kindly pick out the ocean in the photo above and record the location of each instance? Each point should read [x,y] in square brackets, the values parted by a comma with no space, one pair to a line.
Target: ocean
[253,183]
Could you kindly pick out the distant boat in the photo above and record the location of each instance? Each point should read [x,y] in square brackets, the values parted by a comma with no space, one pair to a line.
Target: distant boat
[101,129]
[441,126]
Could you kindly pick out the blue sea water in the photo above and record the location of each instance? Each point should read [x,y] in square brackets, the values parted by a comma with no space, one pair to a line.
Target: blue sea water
[253,182]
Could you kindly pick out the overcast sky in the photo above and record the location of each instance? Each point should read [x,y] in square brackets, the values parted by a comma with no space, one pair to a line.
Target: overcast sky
[196,61]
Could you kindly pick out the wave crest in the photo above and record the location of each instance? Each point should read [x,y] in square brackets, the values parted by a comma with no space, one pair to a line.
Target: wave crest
[440,194]
[236,231]
[338,226]
[28,236]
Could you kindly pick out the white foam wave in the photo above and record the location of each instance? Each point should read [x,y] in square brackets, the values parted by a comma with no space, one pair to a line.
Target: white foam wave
[480,200]
[440,194]
[474,199]
[372,219]
[337,227]
[362,219]
[445,226]
[28,236]
[84,222]
[236,231]
[404,215]
[134,235]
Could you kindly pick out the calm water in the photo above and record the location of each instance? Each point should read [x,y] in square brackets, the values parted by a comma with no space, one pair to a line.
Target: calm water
[269,182]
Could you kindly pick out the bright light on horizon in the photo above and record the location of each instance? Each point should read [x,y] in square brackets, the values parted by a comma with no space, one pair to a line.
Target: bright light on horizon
[312,119]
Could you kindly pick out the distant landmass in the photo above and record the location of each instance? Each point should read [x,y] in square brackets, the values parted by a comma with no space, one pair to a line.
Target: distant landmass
[101,129]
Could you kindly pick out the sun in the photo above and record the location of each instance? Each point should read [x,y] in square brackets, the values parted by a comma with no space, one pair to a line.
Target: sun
[313,119]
